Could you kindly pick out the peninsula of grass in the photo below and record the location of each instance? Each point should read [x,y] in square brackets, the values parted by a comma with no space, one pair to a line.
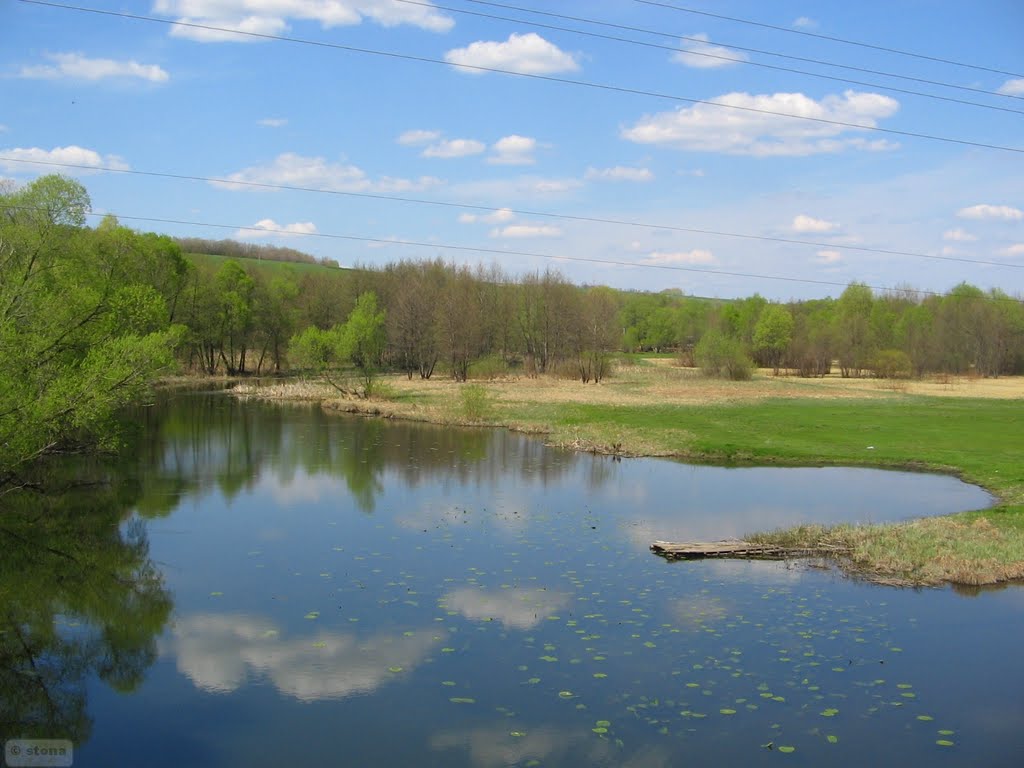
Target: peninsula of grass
[785,422]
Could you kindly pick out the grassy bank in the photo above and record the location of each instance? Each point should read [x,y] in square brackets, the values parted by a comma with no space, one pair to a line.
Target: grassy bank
[970,429]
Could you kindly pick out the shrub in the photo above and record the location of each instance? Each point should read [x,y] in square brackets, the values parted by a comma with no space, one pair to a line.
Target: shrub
[476,402]
[892,364]
[721,356]
[489,368]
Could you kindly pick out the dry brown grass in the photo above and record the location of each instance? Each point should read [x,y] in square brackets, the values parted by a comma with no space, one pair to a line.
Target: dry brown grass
[638,385]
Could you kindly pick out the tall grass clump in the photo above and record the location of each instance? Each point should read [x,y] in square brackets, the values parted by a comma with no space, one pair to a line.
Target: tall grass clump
[475,402]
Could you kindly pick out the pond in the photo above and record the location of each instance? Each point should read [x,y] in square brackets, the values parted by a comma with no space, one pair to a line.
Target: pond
[267,585]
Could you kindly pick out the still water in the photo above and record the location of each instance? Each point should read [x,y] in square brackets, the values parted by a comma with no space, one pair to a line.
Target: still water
[264,585]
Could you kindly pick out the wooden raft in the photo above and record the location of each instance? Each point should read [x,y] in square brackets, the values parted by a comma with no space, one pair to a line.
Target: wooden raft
[695,550]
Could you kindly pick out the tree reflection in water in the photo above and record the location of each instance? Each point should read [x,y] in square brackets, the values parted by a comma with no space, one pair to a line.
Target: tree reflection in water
[79,597]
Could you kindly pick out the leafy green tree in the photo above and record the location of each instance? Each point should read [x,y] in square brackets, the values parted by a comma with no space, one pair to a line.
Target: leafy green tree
[358,343]
[723,356]
[853,329]
[772,335]
[82,332]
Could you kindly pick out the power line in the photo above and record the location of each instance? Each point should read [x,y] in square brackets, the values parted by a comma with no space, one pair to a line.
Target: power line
[790,57]
[715,56]
[516,211]
[532,76]
[502,252]
[828,37]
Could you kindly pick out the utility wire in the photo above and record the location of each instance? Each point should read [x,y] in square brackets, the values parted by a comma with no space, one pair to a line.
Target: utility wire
[516,211]
[529,254]
[704,54]
[828,37]
[532,76]
[674,36]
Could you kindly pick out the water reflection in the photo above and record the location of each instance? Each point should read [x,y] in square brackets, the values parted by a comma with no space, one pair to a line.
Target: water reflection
[515,609]
[219,653]
[80,598]
[202,442]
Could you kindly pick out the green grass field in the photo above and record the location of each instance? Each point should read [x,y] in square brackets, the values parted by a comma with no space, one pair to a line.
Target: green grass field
[269,267]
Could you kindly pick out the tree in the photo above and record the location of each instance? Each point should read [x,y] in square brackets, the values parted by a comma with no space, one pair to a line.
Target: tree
[853,329]
[772,335]
[723,356]
[81,332]
[358,343]
[597,333]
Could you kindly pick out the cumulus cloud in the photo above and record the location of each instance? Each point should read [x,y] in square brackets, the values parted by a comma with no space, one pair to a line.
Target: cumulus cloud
[450,148]
[270,228]
[1003,212]
[618,173]
[805,22]
[504,191]
[513,150]
[290,169]
[529,54]
[1014,250]
[958,236]
[1014,87]
[499,216]
[273,122]
[828,257]
[75,66]
[527,230]
[415,138]
[272,17]
[220,653]
[91,160]
[709,128]
[699,53]
[696,256]
[804,223]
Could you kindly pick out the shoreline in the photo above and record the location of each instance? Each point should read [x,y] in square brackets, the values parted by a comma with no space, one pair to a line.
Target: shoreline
[969,548]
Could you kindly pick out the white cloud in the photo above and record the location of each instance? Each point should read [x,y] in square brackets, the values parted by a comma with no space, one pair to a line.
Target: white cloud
[513,150]
[450,148]
[1014,250]
[828,257]
[75,66]
[271,17]
[503,191]
[3,128]
[708,128]
[527,230]
[415,138]
[290,169]
[805,22]
[72,155]
[618,173]
[696,256]
[529,54]
[273,122]
[804,223]
[703,55]
[499,216]
[1004,212]
[1014,87]
[958,236]
[270,228]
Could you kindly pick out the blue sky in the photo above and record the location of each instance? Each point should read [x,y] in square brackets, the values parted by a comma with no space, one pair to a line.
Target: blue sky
[111,92]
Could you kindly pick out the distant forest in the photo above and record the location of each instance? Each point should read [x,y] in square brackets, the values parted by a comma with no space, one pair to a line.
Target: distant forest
[465,322]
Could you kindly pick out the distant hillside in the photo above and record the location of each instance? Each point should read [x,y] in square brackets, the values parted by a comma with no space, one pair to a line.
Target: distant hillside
[239,250]
[268,266]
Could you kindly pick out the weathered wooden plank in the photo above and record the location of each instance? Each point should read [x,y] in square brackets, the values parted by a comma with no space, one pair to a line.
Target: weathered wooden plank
[691,550]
